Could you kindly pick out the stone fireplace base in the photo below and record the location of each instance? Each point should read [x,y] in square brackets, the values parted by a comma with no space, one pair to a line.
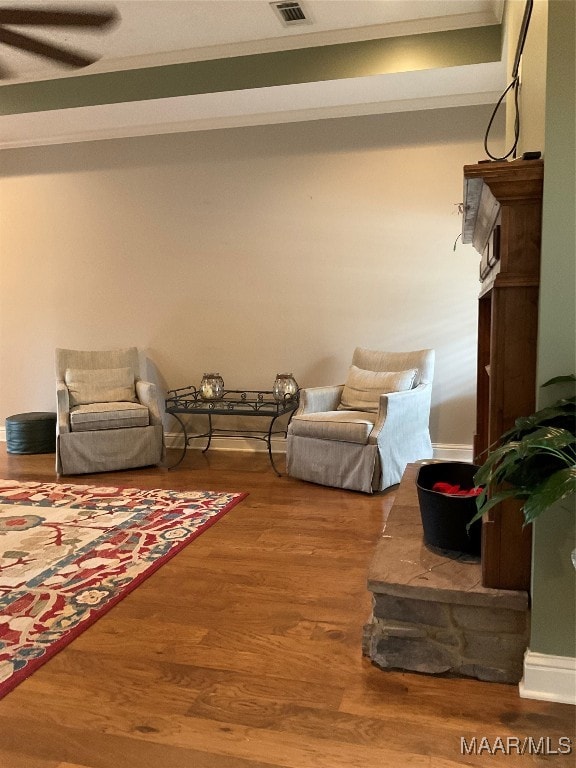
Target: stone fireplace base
[431,613]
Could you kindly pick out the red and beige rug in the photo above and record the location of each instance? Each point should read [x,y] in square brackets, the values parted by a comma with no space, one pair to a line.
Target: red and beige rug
[69,553]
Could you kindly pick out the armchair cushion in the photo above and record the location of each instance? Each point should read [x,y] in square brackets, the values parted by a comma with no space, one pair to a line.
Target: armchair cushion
[346,427]
[106,385]
[363,388]
[87,418]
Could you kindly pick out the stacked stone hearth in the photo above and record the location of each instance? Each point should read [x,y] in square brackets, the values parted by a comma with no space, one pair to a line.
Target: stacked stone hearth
[430,612]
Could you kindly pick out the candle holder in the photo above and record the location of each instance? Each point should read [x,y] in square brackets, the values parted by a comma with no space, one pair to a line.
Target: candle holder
[212,386]
[285,387]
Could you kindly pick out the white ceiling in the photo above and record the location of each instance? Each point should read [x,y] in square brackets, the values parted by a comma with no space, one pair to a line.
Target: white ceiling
[157,32]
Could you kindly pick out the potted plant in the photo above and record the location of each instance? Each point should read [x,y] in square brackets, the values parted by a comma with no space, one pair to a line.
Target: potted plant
[535,461]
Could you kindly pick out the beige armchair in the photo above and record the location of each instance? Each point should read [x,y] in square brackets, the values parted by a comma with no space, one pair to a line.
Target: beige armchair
[107,417]
[362,434]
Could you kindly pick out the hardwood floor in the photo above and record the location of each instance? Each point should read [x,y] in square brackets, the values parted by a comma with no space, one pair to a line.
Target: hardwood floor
[244,651]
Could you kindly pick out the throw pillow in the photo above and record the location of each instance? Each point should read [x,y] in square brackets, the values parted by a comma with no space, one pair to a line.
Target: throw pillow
[107,385]
[363,388]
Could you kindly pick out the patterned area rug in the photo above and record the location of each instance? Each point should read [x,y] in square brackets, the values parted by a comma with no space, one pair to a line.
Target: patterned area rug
[69,553]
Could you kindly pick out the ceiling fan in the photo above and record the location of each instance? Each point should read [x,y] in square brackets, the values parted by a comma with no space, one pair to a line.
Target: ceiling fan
[55,18]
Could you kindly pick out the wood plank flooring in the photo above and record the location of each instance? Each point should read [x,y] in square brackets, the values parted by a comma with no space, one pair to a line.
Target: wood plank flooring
[244,651]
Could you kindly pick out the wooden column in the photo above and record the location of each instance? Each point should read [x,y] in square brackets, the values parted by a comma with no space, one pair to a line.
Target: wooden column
[502,218]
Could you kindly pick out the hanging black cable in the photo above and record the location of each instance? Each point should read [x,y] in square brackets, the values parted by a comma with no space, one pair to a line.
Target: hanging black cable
[515,85]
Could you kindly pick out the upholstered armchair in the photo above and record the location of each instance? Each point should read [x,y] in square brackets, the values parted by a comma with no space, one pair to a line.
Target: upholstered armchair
[108,418]
[361,435]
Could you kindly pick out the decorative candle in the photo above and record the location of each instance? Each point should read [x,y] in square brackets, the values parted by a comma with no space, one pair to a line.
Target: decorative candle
[212,386]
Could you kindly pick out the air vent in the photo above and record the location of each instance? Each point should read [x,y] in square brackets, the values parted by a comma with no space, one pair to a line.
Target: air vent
[290,13]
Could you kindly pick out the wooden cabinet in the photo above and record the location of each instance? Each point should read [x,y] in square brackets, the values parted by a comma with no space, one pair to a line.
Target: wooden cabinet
[502,219]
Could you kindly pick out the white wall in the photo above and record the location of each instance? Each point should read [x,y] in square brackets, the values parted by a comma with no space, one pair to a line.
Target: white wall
[249,251]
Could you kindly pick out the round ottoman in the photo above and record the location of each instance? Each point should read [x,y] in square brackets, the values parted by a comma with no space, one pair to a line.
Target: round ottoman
[31,433]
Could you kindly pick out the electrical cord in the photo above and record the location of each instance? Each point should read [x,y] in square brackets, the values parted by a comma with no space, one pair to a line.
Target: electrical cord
[515,84]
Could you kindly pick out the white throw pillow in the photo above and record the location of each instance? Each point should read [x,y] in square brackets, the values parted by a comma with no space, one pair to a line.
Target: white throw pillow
[107,385]
[363,388]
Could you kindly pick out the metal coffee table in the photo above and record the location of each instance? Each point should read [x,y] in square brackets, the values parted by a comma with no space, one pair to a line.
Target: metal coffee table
[234,402]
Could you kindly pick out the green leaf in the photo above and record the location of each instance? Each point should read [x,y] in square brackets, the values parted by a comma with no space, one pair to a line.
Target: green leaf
[563,410]
[559,380]
[501,464]
[557,487]
[487,504]
[545,439]
[527,463]
[535,461]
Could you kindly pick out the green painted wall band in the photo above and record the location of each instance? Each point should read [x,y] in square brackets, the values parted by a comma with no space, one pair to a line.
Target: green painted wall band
[331,62]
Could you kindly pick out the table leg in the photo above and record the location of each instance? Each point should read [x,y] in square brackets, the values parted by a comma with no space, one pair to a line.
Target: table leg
[269,443]
[185,434]
[209,433]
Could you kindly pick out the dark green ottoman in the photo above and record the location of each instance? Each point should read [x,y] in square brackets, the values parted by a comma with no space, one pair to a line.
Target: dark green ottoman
[31,433]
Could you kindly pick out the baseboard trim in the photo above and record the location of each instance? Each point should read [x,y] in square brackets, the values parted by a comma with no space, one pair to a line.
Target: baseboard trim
[453,451]
[549,678]
[447,451]
[222,443]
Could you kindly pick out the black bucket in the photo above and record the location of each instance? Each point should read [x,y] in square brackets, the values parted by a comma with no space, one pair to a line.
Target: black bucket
[444,516]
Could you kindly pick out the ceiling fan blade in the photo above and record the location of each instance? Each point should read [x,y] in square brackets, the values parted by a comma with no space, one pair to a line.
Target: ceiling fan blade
[55,18]
[5,73]
[48,50]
